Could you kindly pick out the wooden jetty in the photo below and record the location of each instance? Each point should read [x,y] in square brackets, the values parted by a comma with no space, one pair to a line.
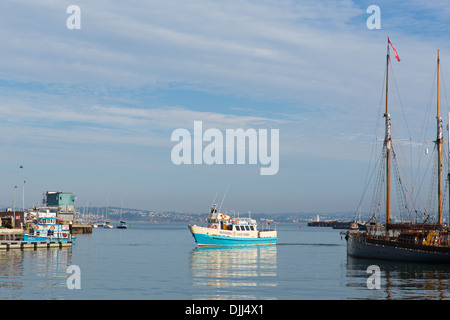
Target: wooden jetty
[11,234]
[333,224]
[11,239]
[21,245]
[322,223]
[77,228]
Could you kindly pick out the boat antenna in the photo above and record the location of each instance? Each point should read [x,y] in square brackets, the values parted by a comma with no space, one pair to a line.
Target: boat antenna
[220,208]
[214,200]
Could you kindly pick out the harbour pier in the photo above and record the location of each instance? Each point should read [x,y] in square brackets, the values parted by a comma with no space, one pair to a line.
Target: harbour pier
[77,228]
[12,239]
[22,245]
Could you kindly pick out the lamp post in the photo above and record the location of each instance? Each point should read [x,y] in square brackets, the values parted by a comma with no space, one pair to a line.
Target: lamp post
[23,191]
[14,207]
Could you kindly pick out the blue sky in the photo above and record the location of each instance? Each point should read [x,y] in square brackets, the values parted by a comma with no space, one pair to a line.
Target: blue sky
[91,111]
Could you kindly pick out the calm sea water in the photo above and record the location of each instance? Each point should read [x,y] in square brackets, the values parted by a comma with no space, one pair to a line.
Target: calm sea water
[162,262]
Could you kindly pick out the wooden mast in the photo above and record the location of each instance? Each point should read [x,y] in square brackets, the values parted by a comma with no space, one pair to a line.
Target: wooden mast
[439,142]
[448,170]
[387,142]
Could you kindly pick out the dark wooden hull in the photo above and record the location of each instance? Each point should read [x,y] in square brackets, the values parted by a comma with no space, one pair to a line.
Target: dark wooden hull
[371,248]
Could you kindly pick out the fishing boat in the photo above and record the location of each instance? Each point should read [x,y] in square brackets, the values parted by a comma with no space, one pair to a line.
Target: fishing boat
[223,230]
[413,241]
[48,227]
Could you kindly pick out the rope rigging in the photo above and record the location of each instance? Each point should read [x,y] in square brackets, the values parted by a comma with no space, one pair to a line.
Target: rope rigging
[410,186]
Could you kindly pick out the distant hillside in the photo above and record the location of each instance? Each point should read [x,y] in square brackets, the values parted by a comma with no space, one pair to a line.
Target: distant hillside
[113,213]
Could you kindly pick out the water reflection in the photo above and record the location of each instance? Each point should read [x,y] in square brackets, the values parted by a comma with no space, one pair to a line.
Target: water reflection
[31,271]
[401,280]
[234,272]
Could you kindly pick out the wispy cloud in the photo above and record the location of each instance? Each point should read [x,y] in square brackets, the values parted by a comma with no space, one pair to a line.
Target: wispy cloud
[99,124]
[137,70]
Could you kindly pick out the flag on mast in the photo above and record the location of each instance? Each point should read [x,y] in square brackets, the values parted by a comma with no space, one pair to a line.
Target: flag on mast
[395,51]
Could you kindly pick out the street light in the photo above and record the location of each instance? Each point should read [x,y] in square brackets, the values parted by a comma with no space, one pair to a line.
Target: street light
[23,191]
[14,207]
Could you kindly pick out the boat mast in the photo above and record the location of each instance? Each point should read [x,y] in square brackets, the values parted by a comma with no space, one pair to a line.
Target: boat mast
[448,168]
[439,143]
[387,143]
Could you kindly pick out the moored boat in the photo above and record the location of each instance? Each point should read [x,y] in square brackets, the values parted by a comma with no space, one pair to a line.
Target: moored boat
[412,246]
[122,225]
[48,227]
[223,230]
[107,225]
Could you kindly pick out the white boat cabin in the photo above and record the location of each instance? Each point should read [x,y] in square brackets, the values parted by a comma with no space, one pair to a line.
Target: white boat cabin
[223,221]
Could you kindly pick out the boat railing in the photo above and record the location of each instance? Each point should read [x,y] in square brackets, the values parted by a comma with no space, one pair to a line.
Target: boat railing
[442,244]
[245,221]
[267,225]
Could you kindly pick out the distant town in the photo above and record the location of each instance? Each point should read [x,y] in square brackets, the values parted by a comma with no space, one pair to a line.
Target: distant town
[113,213]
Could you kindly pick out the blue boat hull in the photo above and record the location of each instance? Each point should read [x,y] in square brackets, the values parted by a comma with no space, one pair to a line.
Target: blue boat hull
[33,238]
[217,240]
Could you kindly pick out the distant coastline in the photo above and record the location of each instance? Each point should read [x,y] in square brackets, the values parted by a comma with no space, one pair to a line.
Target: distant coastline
[190,217]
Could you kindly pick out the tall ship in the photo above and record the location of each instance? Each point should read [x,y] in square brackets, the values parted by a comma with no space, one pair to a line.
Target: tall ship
[224,230]
[426,240]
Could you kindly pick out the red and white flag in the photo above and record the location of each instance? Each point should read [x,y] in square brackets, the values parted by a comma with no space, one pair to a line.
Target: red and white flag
[395,51]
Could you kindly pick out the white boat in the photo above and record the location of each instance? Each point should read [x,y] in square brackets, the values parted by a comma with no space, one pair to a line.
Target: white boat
[47,227]
[223,230]
[107,225]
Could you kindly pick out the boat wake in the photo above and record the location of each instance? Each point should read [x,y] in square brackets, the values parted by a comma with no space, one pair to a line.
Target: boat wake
[309,244]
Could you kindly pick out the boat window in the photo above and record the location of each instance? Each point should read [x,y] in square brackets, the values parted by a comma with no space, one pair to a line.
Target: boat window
[251,228]
[247,228]
[237,228]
